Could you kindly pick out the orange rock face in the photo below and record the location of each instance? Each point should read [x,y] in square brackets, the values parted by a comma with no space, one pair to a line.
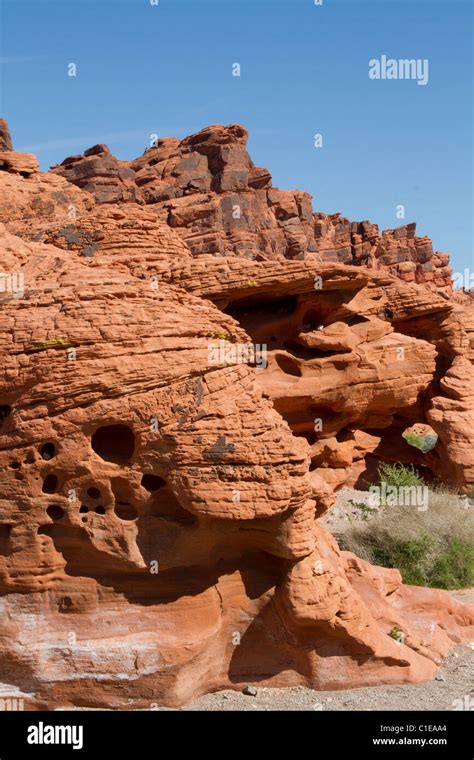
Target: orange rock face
[18,163]
[5,137]
[173,422]
[207,188]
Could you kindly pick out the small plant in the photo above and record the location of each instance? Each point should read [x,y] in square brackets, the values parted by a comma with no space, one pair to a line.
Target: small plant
[399,475]
[52,343]
[397,634]
[364,508]
[220,334]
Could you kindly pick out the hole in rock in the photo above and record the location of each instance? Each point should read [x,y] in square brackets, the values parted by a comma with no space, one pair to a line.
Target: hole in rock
[357,319]
[263,304]
[442,364]
[165,505]
[84,508]
[309,435]
[312,320]
[304,418]
[152,482]
[100,510]
[303,352]
[15,465]
[48,450]
[66,601]
[5,412]
[50,484]
[288,365]
[55,512]
[125,511]
[5,530]
[93,492]
[262,315]
[114,443]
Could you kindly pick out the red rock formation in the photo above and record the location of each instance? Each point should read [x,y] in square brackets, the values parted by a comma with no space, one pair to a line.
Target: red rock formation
[5,137]
[207,188]
[99,172]
[25,164]
[399,250]
[158,531]
[363,352]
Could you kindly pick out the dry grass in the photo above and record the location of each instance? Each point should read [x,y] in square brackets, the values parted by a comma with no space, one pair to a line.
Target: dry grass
[430,548]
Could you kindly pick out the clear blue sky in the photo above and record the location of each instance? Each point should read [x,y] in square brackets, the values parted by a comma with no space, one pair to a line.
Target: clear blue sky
[166,69]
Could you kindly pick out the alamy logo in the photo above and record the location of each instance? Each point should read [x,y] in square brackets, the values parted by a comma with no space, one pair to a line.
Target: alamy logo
[404,68]
[464,703]
[238,353]
[464,280]
[12,704]
[42,734]
[13,283]
[385,495]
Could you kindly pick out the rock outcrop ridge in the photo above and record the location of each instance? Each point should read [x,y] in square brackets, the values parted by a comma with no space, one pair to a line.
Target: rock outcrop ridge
[207,188]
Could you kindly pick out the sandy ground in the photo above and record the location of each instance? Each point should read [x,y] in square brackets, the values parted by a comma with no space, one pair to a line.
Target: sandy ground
[456,682]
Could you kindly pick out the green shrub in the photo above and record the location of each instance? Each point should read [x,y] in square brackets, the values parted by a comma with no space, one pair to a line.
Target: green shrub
[399,475]
[422,561]
[430,548]
[410,556]
[454,567]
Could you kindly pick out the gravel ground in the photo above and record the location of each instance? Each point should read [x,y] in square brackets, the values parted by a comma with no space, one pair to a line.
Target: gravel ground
[344,512]
[455,683]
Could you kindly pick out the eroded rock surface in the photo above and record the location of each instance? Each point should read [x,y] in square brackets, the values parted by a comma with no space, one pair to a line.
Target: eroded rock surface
[208,189]
[160,484]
